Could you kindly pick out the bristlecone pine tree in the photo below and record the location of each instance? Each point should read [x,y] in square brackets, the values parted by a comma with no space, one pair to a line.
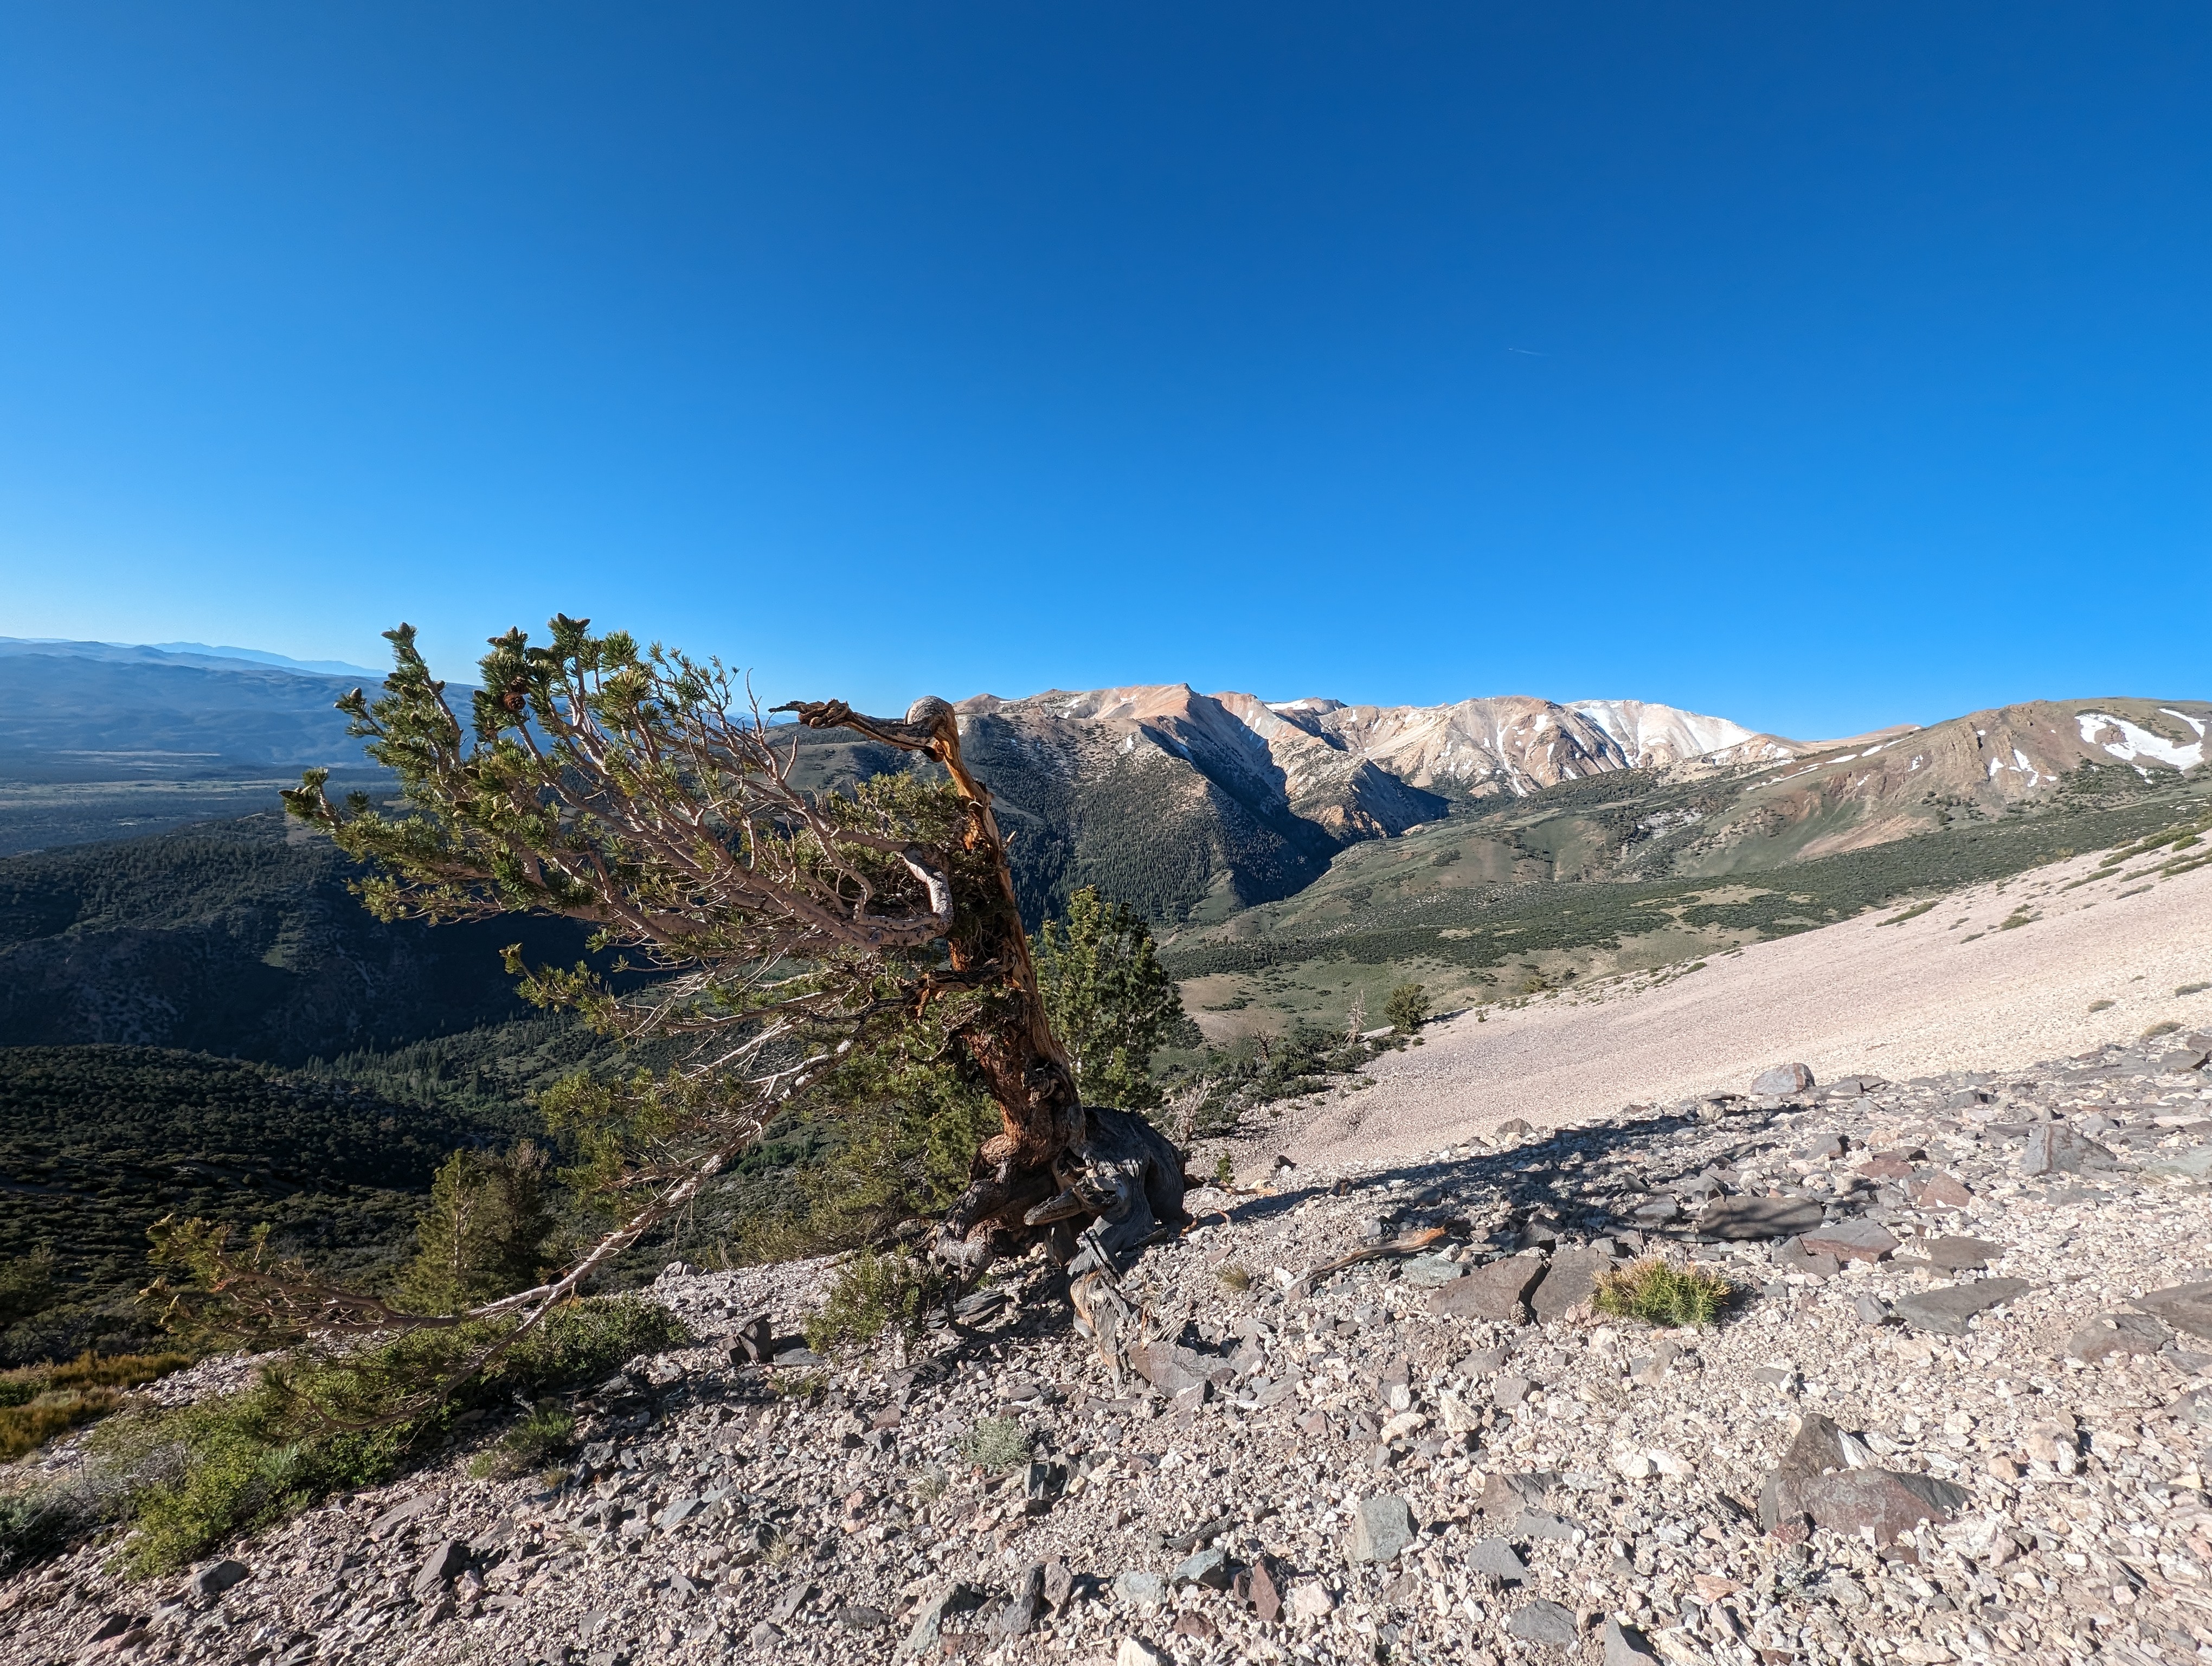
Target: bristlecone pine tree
[643,793]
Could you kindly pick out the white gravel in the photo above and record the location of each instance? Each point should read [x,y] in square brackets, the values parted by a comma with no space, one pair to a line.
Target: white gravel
[1928,994]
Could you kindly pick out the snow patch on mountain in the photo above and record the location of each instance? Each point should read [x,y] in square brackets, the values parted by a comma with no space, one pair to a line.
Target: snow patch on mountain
[2130,744]
[1651,733]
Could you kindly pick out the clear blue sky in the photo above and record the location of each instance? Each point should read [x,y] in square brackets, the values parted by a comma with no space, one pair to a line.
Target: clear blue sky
[1821,367]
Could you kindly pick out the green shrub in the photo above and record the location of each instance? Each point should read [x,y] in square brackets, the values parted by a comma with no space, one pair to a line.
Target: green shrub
[1660,1293]
[488,1231]
[27,1286]
[873,1292]
[2192,989]
[996,1443]
[1406,1006]
[2165,1027]
[2101,1005]
[192,1477]
[549,1431]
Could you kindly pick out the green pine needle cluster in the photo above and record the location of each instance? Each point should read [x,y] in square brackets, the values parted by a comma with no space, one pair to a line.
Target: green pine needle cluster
[1110,1001]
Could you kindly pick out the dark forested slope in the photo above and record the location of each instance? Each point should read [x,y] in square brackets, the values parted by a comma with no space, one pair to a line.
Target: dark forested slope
[238,938]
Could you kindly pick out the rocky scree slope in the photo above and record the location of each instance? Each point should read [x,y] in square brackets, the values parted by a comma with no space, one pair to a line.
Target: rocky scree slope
[1959,1412]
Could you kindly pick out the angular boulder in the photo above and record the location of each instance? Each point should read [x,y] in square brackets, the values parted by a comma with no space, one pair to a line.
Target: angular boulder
[1745,1219]
[1496,1290]
[1570,1281]
[1944,1310]
[1849,1240]
[1383,1527]
[2108,1333]
[2054,1148]
[1782,1080]
[2185,1306]
[1888,1502]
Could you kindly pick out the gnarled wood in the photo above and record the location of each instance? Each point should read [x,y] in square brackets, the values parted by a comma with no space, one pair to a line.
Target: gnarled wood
[1011,1042]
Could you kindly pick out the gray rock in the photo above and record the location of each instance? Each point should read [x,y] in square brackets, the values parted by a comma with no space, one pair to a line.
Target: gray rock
[765,1636]
[1746,1219]
[1145,1589]
[1209,1568]
[1382,1527]
[1175,1369]
[1495,1291]
[859,1617]
[1887,1502]
[1849,1240]
[1544,1622]
[754,1340]
[1023,1606]
[1795,1257]
[218,1577]
[405,1510]
[1429,1271]
[1624,1645]
[1945,1310]
[2054,1148]
[1542,1524]
[442,1565]
[1496,1558]
[928,1629]
[2108,1333]
[2185,1306]
[1782,1081]
[1872,1310]
[1960,1255]
[1571,1279]
[799,1357]
[793,1599]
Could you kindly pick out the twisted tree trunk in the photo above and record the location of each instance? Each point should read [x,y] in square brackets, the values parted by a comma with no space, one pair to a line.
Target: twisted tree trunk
[1054,1162]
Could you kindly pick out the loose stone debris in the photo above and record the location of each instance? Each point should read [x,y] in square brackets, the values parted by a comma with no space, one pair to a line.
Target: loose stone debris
[1959,1411]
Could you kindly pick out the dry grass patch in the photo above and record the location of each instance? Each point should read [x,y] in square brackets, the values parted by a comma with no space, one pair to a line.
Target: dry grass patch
[40,1403]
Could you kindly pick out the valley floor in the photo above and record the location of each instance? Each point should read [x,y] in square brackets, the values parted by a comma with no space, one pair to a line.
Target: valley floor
[1960,986]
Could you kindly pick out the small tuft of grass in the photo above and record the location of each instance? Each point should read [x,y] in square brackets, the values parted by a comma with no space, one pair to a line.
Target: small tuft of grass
[1224,1172]
[2101,1005]
[1912,912]
[2166,1027]
[928,1484]
[532,1443]
[1660,1293]
[2015,920]
[2192,989]
[996,1443]
[1233,1277]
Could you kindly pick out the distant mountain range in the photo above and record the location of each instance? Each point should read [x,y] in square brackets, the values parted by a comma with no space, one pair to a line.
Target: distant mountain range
[1193,805]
